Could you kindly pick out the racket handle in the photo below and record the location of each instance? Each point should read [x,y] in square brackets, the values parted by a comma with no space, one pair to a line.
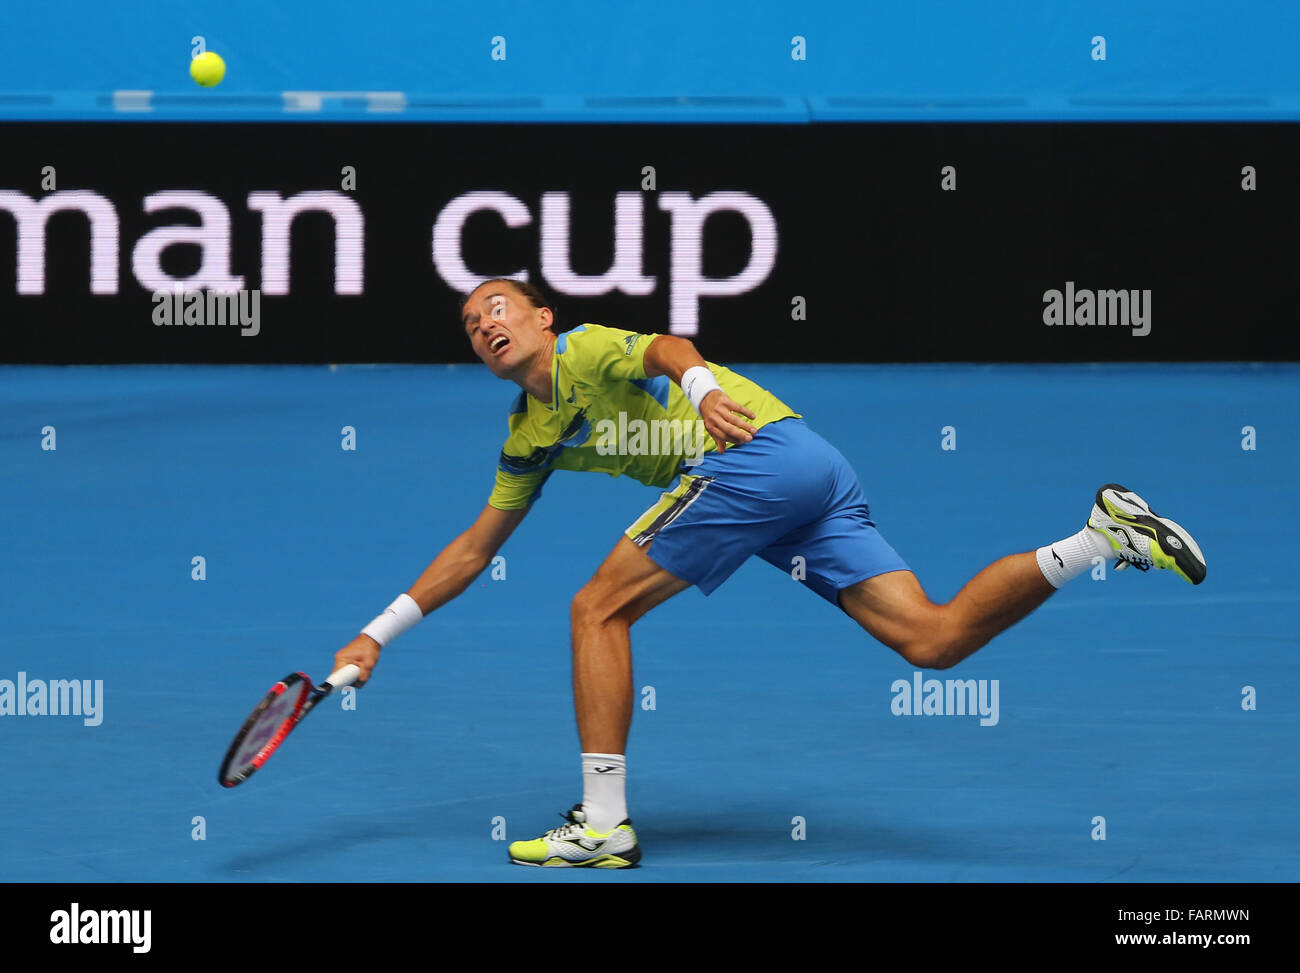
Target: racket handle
[344,677]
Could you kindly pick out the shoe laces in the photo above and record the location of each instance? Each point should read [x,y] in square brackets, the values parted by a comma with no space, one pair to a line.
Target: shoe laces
[575,825]
[1136,560]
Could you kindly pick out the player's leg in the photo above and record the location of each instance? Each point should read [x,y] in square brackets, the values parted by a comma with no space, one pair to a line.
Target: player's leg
[698,534]
[841,555]
[894,608]
[626,586]
[598,832]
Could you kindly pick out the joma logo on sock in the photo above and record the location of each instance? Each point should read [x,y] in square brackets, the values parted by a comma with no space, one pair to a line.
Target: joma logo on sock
[1127,309]
[104,926]
[946,697]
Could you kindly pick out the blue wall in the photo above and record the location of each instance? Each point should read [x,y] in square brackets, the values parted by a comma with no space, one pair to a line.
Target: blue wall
[921,59]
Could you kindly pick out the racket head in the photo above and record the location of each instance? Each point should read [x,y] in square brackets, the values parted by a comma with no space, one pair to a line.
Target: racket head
[265,729]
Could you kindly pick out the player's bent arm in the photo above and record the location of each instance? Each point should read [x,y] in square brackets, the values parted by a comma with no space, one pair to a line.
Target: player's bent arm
[670,355]
[677,358]
[451,573]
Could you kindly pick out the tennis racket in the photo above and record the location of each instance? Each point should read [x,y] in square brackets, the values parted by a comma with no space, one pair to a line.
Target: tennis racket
[285,706]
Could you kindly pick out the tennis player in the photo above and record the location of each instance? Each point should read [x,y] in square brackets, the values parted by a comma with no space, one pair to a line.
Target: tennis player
[760,483]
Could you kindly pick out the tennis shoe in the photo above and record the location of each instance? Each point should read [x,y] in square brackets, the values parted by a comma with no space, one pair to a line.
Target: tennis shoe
[575,845]
[1142,538]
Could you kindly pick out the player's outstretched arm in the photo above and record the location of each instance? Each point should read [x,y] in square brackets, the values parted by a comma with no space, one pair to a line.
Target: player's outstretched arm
[677,358]
[464,559]
[451,572]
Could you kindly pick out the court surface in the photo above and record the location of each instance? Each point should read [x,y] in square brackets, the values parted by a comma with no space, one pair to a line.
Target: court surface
[1120,699]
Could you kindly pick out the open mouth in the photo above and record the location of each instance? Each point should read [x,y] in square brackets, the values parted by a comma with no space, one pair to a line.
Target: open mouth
[499,344]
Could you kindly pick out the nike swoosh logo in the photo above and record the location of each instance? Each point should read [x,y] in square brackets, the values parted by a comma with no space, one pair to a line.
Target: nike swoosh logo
[1058,558]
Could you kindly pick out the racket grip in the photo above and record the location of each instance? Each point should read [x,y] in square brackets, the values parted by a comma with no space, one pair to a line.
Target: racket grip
[343,677]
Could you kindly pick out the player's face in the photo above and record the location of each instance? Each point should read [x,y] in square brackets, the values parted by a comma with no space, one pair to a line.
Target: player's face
[505,330]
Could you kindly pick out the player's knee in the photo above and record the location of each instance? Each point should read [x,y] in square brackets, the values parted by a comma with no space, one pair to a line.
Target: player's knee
[923,655]
[936,652]
[593,607]
[585,609]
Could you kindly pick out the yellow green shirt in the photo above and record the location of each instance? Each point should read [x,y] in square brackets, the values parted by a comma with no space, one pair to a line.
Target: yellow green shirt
[607,416]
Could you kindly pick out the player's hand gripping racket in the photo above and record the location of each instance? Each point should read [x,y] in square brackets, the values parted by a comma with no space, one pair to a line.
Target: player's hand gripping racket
[285,706]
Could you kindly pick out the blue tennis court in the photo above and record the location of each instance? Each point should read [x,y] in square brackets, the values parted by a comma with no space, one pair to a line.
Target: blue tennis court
[771,753]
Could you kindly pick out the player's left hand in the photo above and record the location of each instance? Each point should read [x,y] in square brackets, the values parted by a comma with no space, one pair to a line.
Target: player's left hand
[720,415]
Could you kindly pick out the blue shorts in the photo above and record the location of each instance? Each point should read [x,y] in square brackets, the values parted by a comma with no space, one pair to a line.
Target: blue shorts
[786,495]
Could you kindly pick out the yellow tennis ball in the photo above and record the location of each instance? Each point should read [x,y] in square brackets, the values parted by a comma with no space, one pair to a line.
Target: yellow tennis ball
[208,69]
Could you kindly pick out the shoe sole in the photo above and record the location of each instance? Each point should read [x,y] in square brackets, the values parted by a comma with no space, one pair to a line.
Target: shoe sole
[628,859]
[1172,547]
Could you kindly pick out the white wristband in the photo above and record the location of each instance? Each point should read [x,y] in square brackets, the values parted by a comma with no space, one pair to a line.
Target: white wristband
[401,616]
[697,382]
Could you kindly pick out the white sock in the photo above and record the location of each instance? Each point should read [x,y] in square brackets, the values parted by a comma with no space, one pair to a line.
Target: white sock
[603,799]
[1067,559]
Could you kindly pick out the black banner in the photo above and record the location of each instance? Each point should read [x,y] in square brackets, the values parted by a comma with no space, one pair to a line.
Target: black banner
[136,923]
[799,243]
